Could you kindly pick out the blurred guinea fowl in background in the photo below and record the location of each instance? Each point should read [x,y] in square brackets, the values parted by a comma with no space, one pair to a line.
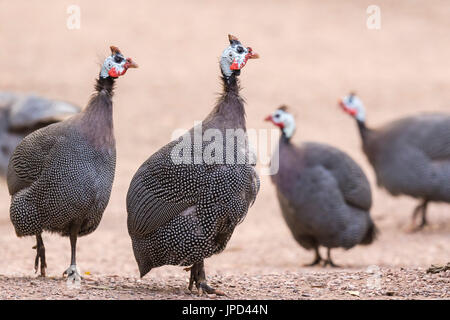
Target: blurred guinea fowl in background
[60,176]
[181,212]
[410,156]
[324,195]
[22,114]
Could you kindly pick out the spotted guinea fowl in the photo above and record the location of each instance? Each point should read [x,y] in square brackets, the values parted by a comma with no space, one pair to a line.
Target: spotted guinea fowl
[21,114]
[323,194]
[185,201]
[410,156]
[60,176]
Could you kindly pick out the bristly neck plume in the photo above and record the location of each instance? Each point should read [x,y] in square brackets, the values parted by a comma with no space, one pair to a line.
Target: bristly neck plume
[98,115]
[106,85]
[363,130]
[230,105]
[101,99]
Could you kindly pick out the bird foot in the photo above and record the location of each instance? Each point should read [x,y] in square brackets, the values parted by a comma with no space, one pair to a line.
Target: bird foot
[73,275]
[198,278]
[314,263]
[203,287]
[413,227]
[329,262]
[40,258]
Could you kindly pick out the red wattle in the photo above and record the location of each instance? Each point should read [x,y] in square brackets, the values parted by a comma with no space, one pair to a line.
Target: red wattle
[234,66]
[114,74]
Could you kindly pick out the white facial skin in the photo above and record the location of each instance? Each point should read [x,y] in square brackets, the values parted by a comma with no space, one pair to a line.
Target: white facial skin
[236,52]
[285,121]
[354,106]
[112,62]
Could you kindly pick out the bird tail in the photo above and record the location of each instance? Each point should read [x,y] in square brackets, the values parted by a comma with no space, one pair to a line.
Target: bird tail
[371,234]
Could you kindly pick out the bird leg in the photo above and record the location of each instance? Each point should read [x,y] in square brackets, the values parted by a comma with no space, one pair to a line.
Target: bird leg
[199,278]
[317,259]
[72,272]
[422,209]
[40,255]
[328,261]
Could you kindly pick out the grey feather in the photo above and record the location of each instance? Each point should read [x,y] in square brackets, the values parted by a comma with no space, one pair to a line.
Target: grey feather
[412,156]
[324,196]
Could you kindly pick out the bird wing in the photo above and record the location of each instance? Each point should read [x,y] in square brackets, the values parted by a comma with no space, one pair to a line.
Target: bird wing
[353,184]
[158,192]
[435,139]
[428,133]
[352,181]
[162,190]
[29,157]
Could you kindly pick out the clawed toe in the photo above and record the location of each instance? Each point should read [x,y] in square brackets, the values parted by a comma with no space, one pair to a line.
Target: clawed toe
[72,274]
[198,278]
[203,286]
[330,263]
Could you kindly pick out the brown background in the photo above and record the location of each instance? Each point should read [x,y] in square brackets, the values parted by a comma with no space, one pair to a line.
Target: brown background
[312,53]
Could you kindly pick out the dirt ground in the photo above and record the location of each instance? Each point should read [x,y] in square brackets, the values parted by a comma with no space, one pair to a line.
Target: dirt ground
[312,53]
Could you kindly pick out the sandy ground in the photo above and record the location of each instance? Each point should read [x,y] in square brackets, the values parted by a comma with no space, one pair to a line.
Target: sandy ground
[312,53]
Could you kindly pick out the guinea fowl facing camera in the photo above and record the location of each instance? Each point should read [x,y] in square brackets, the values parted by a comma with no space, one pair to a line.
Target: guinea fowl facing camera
[60,176]
[410,156]
[324,195]
[182,213]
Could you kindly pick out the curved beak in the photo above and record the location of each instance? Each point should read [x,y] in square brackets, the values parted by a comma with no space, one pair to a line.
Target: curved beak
[251,54]
[131,64]
[238,65]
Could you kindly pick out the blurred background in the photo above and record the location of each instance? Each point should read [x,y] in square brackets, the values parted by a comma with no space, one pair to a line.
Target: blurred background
[312,54]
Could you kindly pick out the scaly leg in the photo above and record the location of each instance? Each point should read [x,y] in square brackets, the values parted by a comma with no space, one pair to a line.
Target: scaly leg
[317,259]
[198,277]
[422,210]
[72,272]
[328,261]
[40,255]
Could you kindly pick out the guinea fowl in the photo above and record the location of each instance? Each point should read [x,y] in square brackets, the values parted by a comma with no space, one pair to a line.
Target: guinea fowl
[324,195]
[22,114]
[181,212]
[410,156]
[60,176]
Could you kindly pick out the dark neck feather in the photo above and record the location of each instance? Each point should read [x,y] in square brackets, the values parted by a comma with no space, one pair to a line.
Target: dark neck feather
[366,137]
[363,130]
[230,105]
[284,139]
[98,115]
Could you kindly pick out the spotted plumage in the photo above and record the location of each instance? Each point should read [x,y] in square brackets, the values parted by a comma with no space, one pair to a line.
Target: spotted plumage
[325,197]
[60,176]
[180,214]
[57,176]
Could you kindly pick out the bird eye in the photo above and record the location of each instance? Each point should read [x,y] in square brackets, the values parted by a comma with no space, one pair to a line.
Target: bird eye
[277,115]
[118,59]
[240,49]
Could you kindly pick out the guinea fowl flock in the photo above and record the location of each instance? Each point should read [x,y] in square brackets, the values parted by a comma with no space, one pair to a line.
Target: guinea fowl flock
[180,211]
